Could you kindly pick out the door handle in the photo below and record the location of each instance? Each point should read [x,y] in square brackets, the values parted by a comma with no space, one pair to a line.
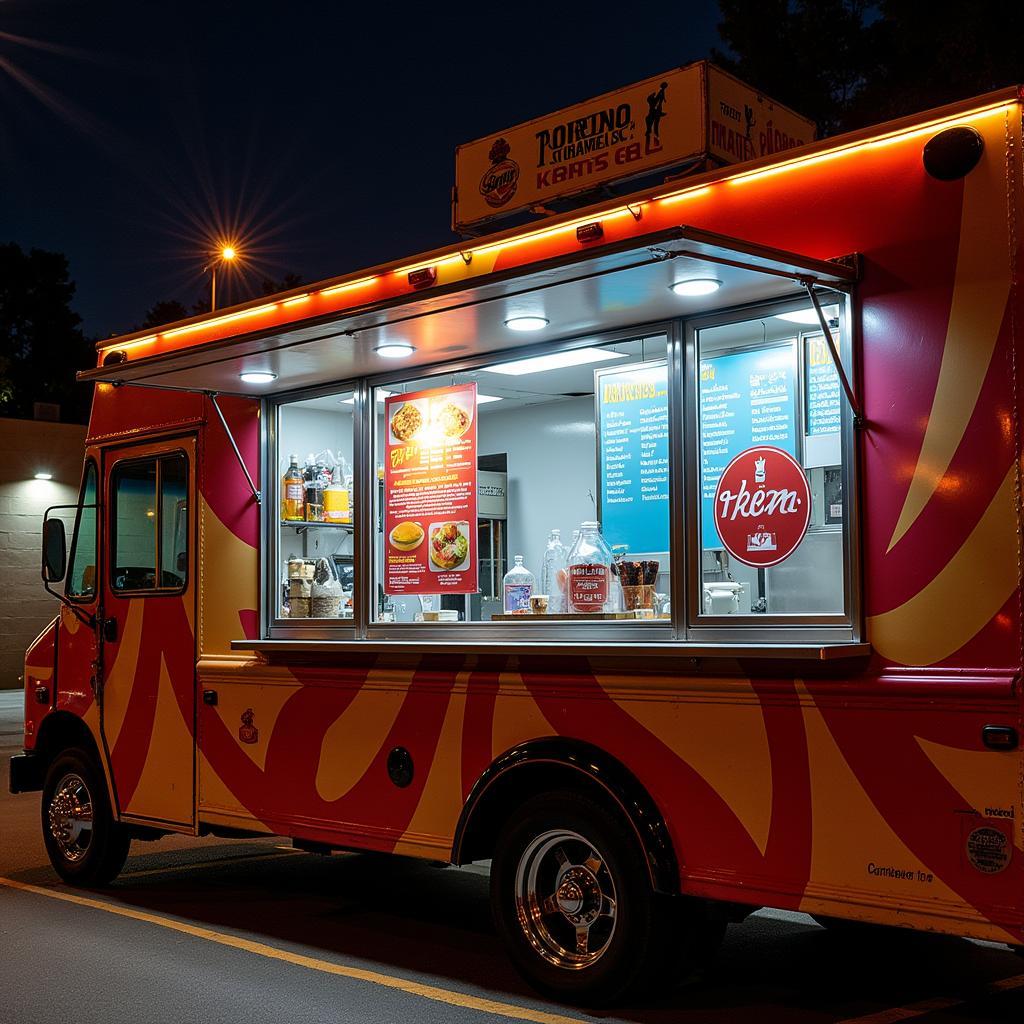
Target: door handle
[210,698]
[1000,737]
[109,630]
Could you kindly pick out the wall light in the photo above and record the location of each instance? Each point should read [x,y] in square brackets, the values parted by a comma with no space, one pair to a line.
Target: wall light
[527,323]
[696,286]
[394,349]
[43,476]
[257,377]
[554,361]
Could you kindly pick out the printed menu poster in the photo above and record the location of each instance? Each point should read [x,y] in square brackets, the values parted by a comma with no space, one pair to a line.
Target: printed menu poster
[747,398]
[430,492]
[824,397]
[632,411]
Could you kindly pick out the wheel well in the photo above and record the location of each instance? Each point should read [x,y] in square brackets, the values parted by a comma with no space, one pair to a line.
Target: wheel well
[61,730]
[523,773]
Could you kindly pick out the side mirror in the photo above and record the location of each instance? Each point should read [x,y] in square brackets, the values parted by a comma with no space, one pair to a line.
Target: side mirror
[55,552]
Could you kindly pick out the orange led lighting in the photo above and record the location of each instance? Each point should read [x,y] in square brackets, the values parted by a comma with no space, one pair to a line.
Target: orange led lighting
[347,286]
[203,324]
[859,147]
[628,210]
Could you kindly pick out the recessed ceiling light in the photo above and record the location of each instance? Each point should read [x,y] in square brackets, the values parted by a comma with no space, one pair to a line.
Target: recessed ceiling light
[527,323]
[44,476]
[555,361]
[696,286]
[257,377]
[394,349]
[799,316]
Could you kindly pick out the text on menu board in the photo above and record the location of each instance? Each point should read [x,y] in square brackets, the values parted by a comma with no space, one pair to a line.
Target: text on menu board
[632,408]
[747,398]
[824,399]
[430,492]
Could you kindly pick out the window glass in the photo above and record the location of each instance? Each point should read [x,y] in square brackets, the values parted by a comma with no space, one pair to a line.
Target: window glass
[772,508]
[173,522]
[316,528]
[135,522]
[148,529]
[527,489]
[82,564]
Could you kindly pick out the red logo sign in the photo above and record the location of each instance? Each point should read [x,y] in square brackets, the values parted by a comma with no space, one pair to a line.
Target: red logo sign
[498,185]
[762,506]
[588,587]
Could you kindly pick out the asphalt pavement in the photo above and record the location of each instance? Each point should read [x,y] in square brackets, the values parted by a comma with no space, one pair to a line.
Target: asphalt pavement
[253,932]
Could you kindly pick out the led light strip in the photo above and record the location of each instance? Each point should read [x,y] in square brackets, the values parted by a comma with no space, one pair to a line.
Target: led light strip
[630,210]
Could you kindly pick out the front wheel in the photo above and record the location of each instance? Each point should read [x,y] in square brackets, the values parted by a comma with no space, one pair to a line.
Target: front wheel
[85,844]
[573,902]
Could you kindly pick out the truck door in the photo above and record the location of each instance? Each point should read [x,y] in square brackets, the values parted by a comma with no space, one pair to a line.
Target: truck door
[146,629]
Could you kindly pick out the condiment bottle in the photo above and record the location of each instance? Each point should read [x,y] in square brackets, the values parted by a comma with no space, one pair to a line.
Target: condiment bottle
[293,492]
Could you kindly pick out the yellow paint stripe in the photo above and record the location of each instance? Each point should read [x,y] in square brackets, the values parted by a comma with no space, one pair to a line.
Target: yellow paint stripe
[898,1013]
[439,995]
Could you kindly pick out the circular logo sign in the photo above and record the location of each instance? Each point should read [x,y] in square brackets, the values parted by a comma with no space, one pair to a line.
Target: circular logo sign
[498,185]
[762,506]
[988,850]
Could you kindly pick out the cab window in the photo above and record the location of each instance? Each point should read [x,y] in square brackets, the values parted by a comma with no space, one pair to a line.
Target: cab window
[82,564]
[149,524]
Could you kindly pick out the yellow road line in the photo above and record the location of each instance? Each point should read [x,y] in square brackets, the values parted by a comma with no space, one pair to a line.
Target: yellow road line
[413,988]
[900,1013]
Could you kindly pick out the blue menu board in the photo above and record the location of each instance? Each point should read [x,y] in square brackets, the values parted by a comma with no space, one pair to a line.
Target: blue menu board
[823,394]
[632,414]
[746,398]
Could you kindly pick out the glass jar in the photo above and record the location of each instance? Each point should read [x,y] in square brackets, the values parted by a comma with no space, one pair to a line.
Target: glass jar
[589,576]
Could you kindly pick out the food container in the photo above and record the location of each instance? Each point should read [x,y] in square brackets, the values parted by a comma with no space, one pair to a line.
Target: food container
[336,507]
[298,587]
[539,604]
[299,608]
[326,606]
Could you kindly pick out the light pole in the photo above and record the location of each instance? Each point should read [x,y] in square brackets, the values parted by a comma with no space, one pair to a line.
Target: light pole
[227,254]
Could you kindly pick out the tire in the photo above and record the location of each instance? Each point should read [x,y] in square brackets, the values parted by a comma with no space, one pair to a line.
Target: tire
[86,846]
[573,903]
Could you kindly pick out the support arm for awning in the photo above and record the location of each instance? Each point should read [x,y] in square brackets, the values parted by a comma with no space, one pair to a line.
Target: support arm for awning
[212,395]
[851,397]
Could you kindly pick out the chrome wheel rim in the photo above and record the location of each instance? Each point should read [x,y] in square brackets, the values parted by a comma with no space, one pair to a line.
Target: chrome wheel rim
[70,817]
[565,899]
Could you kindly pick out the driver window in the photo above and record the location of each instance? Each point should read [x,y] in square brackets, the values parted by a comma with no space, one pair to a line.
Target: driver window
[149,521]
[82,564]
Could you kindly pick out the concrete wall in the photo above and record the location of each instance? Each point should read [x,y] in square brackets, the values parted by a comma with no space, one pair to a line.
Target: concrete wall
[26,448]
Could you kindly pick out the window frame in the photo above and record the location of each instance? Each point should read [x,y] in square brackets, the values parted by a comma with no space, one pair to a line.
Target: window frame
[278,627]
[87,598]
[843,627]
[688,625]
[158,458]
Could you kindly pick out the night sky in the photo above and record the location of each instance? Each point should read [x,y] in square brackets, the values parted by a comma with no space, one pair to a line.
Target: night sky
[322,134]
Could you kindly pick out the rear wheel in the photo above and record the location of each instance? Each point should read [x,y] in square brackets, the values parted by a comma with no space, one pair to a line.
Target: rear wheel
[573,902]
[85,845]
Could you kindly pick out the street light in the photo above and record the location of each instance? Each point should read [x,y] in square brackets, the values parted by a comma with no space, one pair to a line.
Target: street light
[227,254]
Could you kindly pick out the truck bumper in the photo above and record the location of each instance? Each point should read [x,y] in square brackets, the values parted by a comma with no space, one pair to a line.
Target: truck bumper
[26,773]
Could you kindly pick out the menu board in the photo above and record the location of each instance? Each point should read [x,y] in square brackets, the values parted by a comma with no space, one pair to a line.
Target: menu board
[747,398]
[632,412]
[430,492]
[823,398]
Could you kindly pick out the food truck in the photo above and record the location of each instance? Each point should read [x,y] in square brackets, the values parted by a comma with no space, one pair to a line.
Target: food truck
[779,665]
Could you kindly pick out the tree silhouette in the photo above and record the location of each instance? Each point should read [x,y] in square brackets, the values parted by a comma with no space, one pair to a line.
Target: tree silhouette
[41,342]
[165,312]
[848,63]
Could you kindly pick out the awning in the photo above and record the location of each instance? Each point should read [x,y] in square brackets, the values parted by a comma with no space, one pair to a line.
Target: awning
[598,289]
